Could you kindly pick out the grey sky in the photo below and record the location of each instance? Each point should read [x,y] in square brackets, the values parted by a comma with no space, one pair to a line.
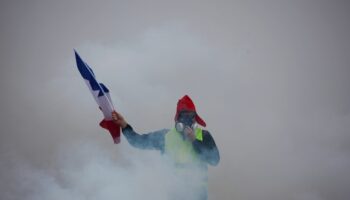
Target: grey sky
[270,78]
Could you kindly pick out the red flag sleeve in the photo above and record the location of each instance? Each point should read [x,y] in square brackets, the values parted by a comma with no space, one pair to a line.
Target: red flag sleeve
[113,128]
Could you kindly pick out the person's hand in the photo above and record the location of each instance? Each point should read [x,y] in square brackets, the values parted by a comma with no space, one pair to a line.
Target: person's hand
[189,133]
[119,119]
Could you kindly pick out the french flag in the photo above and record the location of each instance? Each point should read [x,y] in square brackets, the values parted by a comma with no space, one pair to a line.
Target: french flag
[101,95]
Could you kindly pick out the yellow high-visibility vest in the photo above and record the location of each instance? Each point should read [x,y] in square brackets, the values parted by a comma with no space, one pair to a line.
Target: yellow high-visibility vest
[180,150]
[186,159]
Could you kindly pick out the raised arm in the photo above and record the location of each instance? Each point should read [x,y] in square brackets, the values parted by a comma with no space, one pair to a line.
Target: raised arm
[153,140]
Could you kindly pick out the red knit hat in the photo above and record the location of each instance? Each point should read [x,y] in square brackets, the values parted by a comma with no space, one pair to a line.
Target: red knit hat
[186,104]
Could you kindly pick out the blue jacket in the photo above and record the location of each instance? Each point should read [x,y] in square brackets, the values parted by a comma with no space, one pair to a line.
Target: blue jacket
[206,149]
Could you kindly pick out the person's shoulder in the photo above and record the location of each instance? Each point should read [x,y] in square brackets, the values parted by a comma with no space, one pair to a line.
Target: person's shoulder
[205,132]
[207,135]
[164,131]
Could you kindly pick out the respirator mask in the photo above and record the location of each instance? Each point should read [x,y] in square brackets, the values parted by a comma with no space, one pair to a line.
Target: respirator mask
[186,119]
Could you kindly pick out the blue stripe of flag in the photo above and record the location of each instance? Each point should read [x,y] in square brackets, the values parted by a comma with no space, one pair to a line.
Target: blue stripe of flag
[87,73]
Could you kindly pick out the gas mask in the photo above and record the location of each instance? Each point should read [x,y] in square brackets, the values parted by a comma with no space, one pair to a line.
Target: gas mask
[186,119]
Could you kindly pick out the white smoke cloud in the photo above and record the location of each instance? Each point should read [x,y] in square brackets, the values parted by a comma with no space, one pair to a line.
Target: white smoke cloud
[270,79]
[88,172]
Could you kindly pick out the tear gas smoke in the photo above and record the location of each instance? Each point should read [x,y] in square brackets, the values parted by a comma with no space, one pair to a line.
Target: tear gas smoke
[271,79]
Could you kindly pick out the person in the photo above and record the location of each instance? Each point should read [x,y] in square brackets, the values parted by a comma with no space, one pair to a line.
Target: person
[187,145]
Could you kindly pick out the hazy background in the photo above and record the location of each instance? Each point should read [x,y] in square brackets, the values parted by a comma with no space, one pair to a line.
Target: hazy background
[270,78]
